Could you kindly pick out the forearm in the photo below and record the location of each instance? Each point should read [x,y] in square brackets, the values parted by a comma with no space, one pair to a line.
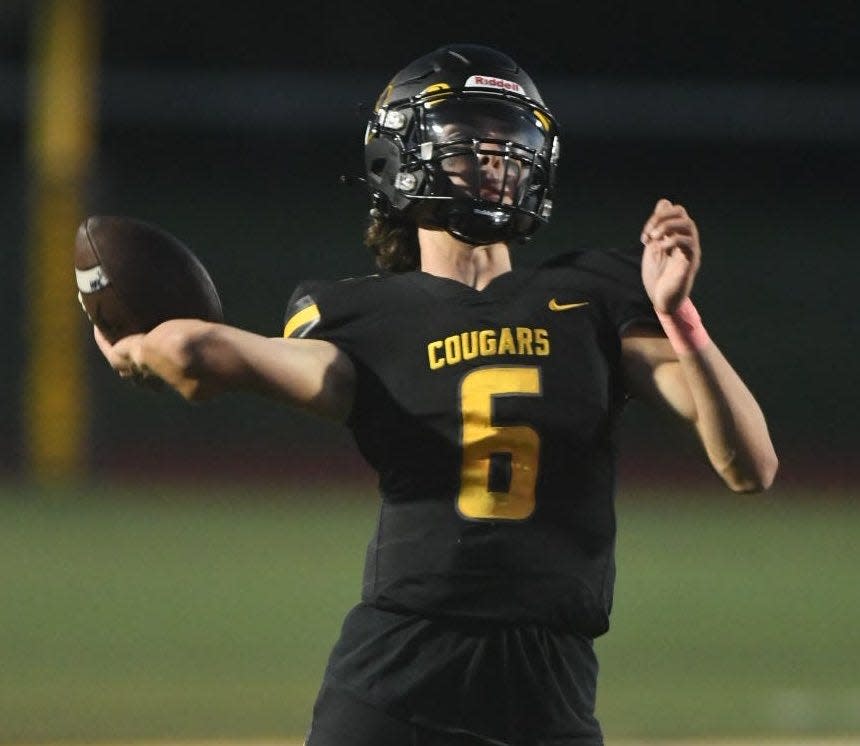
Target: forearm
[726,415]
[728,420]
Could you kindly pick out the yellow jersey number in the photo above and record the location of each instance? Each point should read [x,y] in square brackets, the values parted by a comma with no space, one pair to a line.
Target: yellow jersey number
[500,462]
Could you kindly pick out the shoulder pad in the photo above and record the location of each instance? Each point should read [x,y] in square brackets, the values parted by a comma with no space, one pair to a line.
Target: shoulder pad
[309,299]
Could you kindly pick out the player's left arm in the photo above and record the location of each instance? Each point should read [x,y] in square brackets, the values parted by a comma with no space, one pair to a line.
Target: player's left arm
[686,371]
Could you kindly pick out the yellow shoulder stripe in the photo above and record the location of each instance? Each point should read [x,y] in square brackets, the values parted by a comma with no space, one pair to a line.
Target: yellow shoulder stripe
[300,318]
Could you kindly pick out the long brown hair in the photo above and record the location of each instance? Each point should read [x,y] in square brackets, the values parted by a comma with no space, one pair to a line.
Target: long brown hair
[393,241]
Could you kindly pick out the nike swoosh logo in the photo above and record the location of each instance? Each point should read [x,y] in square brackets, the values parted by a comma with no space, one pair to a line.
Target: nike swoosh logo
[554,305]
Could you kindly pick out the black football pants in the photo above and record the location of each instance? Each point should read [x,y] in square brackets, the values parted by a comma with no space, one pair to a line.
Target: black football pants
[340,720]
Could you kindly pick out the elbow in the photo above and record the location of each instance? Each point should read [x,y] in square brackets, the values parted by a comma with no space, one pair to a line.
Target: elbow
[758,477]
[765,473]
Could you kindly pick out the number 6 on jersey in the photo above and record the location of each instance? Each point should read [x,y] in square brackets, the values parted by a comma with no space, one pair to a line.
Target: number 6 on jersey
[500,462]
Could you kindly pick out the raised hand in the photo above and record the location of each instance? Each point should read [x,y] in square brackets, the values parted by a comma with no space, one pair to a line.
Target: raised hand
[671,257]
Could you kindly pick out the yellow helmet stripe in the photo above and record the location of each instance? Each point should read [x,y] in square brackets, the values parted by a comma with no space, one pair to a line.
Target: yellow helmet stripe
[542,119]
[436,88]
[300,318]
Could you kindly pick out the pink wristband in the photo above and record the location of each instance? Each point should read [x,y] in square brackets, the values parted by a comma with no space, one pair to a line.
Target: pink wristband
[684,328]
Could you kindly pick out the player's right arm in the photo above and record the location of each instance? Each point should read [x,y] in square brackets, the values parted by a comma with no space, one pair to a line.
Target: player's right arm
[200,359]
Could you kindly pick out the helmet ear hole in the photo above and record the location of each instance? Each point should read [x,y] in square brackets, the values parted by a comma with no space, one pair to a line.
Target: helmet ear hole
[382,160]
[377,166]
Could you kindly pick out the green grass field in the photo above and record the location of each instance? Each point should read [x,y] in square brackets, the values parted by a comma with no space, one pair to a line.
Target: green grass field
[172,613]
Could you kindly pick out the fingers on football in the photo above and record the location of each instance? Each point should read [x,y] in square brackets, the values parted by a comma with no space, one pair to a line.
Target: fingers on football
[102,342]
[117,357]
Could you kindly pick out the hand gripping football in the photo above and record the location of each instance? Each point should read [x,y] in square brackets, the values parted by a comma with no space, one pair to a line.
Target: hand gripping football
[133,275]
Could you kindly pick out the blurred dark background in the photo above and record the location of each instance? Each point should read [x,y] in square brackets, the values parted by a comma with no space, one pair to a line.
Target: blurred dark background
[230,124]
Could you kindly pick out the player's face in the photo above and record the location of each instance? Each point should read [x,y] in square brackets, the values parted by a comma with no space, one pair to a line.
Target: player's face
[486,173]
[486,151]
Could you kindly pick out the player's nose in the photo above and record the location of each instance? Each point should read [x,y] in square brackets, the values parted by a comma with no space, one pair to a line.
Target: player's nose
[492,154]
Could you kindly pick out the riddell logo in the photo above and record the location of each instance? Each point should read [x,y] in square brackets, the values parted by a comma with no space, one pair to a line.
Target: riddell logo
[484,81]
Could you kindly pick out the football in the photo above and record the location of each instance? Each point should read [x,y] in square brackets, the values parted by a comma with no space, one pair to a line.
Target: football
[133,275]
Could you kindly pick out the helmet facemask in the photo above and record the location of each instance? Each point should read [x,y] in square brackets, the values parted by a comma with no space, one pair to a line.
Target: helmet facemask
[477,163]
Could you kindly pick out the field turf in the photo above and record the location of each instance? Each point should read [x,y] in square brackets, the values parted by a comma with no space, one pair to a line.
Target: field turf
[171,613]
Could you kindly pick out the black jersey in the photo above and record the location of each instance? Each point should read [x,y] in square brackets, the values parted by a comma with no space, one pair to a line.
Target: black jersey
[489,416]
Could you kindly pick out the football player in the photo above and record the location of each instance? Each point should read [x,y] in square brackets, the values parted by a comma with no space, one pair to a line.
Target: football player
[487,399]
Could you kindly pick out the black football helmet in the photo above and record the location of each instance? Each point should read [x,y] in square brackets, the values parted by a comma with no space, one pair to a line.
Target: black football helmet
[461,140]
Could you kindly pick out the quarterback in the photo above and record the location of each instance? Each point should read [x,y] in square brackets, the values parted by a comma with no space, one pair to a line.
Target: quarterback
[487,398]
